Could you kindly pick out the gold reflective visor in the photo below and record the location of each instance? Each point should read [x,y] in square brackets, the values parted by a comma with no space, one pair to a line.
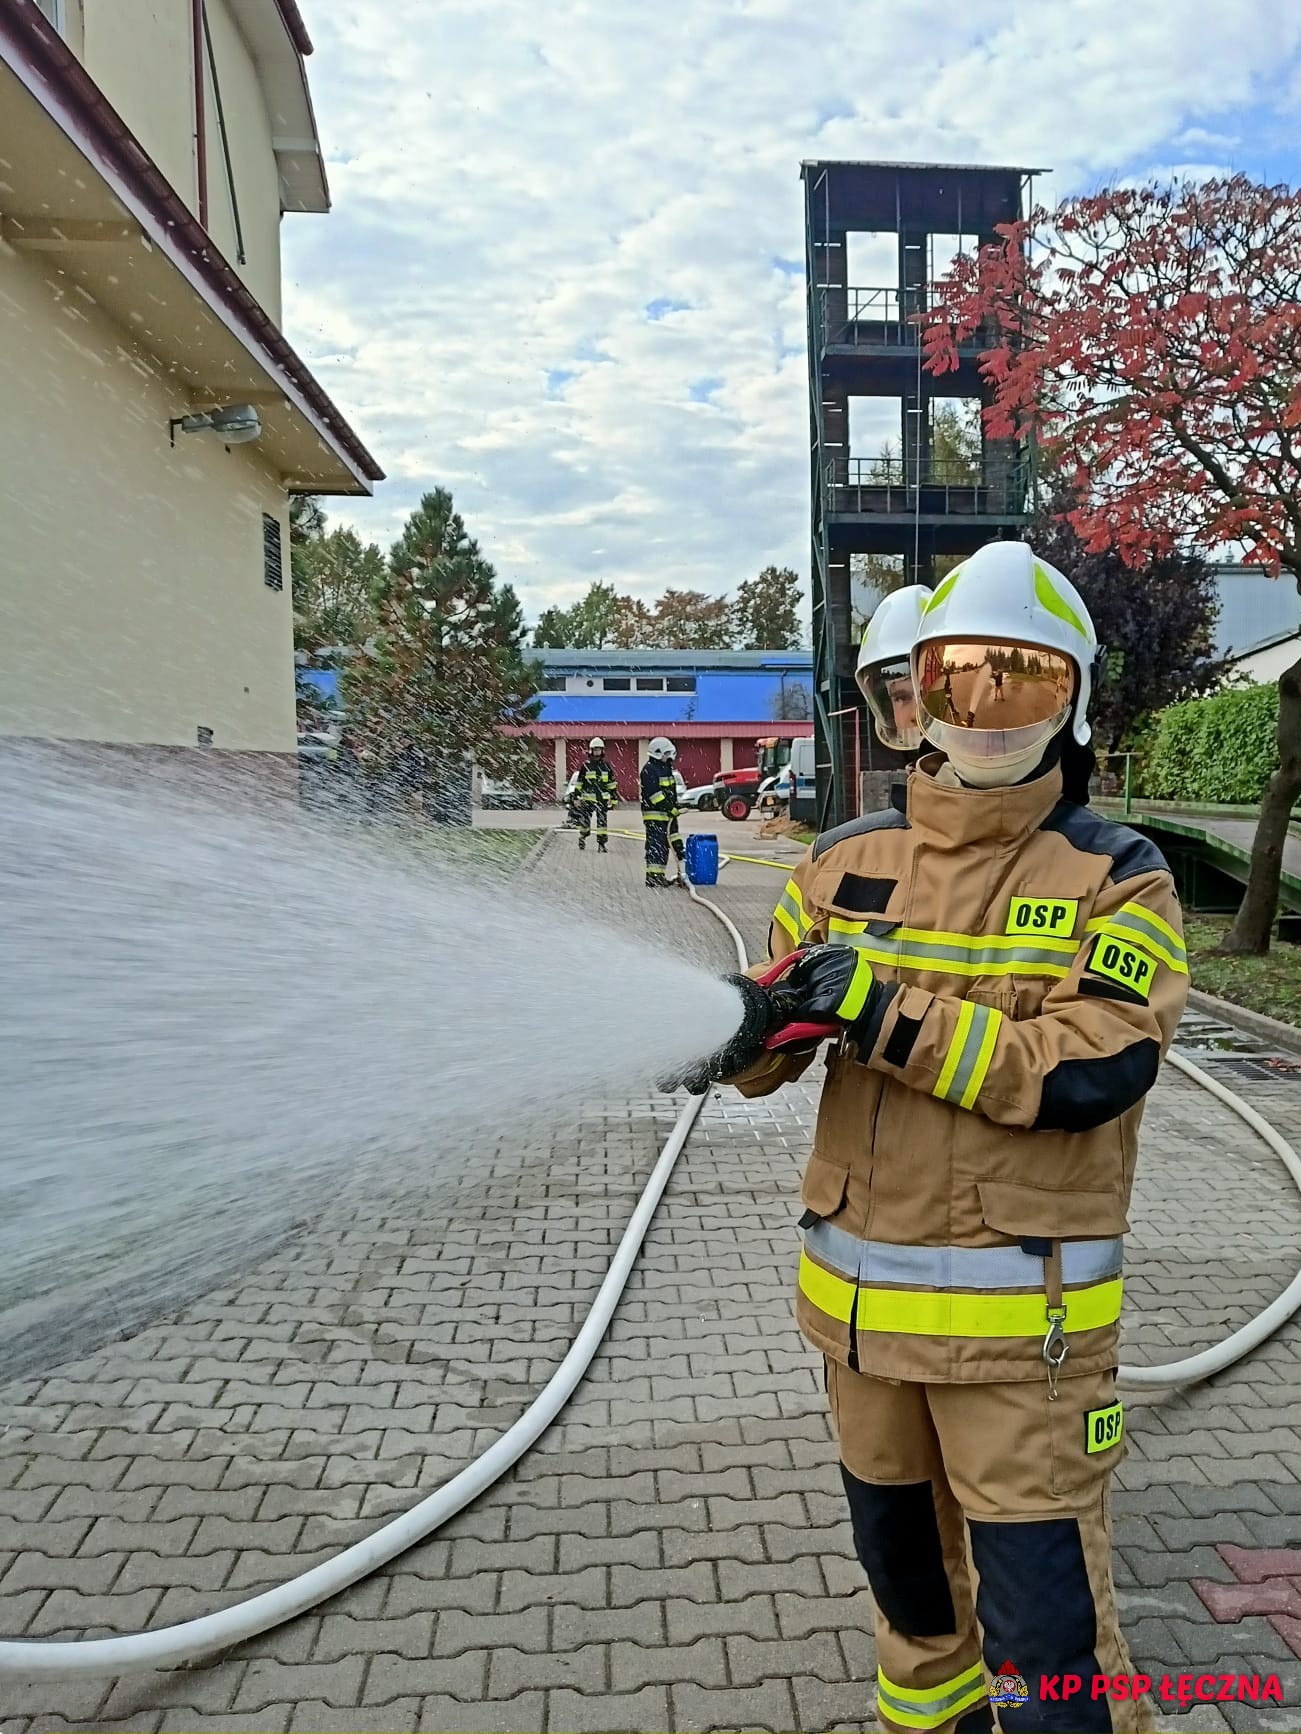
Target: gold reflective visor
[996,687]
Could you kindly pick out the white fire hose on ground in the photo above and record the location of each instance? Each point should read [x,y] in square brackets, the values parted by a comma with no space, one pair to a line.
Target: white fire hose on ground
[192,1639]
[1194,1368]
[172,1645]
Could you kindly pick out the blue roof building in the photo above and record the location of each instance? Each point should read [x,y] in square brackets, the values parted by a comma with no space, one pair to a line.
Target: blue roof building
[713,704]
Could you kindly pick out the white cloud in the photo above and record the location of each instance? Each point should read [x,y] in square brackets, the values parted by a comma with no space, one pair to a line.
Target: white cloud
[515,185]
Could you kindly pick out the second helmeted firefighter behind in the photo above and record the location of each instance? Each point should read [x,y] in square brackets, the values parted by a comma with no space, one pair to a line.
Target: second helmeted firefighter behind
[660,811]
[1000,972]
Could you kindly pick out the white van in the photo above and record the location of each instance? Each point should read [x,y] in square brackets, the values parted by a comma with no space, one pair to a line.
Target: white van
[801,776]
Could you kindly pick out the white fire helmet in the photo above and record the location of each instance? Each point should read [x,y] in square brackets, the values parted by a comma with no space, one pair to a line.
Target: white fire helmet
[1003,660]
[660,748]
[884,672]
[596,745]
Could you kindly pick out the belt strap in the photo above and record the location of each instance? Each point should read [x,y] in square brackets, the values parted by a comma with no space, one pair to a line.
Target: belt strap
[1056,1347]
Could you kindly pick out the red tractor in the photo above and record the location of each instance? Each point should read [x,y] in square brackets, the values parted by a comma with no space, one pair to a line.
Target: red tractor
[737,791]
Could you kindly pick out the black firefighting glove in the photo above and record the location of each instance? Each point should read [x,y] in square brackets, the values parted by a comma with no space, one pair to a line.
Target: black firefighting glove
[762,1012]
[833,984]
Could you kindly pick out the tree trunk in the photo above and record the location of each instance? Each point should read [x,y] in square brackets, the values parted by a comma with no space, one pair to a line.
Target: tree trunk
[1255,918]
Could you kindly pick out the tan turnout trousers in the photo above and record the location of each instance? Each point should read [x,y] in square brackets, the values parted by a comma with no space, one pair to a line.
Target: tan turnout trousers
[981,1518]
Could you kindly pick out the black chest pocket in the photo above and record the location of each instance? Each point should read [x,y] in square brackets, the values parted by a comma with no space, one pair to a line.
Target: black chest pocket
[857,895]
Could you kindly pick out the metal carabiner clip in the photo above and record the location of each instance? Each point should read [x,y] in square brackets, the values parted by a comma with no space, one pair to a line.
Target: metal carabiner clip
[1056,1348]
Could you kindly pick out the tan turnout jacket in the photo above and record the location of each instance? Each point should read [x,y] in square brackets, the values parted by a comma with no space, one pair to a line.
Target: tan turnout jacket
[973,1160]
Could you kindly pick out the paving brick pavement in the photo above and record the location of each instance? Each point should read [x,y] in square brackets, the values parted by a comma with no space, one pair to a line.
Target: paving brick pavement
[673,1554]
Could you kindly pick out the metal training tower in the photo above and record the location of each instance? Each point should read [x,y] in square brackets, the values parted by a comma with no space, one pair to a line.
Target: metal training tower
[865,341]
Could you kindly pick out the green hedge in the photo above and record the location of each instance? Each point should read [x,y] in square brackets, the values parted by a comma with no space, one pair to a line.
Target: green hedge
[1213,749]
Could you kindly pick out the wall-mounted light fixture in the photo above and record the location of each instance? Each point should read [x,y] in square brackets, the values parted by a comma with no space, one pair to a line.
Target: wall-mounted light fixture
[234,424]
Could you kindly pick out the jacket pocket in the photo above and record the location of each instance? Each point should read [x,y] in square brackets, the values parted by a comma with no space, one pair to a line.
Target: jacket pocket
[856,898]
[1001,994]
[1039,1213]
[1078,1474]
[824,1184]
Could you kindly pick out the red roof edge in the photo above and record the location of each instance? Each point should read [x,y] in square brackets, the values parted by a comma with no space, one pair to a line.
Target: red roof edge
[294,25]
[28,41]
[624,730]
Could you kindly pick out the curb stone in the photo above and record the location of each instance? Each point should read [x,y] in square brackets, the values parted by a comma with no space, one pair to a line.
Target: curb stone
[1256,1023]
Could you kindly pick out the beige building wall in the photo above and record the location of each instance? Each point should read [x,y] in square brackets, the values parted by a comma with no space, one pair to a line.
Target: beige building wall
[132,600]
[140,53]
[253,163]
[72,21]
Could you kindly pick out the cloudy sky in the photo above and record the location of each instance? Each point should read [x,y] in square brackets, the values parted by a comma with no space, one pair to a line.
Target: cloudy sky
[563,275]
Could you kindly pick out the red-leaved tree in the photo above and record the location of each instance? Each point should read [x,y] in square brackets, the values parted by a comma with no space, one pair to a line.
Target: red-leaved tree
[1151,339]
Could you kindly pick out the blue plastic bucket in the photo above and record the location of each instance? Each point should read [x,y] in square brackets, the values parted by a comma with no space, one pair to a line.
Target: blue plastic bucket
[702,859]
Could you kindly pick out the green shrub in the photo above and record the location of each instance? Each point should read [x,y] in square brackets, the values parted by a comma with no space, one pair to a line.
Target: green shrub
[1213,749]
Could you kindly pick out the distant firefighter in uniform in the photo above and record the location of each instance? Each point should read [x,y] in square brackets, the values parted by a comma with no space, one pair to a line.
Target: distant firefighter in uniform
[594,794]
[659,810]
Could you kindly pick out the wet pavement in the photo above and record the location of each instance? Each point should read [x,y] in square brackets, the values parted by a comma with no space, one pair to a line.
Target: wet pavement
[674,1553]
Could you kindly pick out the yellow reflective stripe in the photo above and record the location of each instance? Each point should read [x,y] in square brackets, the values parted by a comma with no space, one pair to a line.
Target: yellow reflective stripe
[948,966]
[918,1695]
[930,1707]
[1051,598]
[829,1293]
[1129,932]
[943,591]
[790,912]
[954,1055]
[956,953]
[942,1313]
[905,936]
[1125,934]
[903,948]
[1065,947]
[1177,944]
[983,1058]
[962,1079]
[860,985]
[925,1719]
[787,921]
[926,1314]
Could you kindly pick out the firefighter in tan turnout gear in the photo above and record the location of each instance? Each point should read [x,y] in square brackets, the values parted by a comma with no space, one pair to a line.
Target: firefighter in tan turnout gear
[1003,971]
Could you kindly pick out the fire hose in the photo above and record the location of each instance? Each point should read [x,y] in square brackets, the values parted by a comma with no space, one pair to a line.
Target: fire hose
[191,1639]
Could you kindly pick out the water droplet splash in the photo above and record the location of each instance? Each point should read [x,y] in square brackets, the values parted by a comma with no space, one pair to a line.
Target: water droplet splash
[211,1015]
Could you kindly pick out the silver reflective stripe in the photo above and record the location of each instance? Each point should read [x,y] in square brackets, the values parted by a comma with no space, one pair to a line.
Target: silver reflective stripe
[1131,920]
[792,908]
[980,1017]
[842,1252]
[974,959]
[878,1262]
